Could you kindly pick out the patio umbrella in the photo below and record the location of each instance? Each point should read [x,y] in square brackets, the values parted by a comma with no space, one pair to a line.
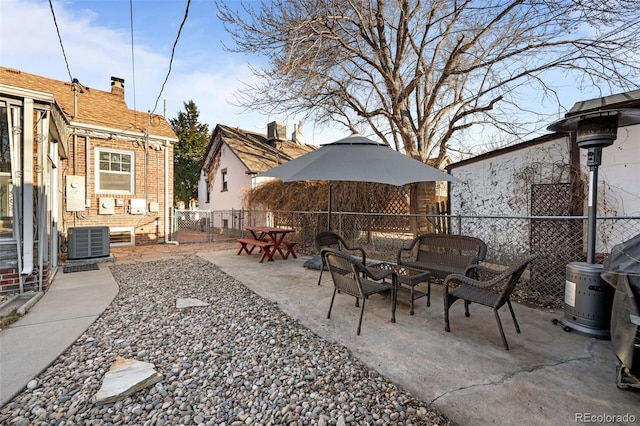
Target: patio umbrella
[357,159]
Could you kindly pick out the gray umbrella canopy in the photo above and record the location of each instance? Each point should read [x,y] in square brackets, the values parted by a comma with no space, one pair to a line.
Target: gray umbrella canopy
[357,159]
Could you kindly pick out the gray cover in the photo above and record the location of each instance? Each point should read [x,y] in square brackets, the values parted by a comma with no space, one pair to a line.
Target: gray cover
[622,271]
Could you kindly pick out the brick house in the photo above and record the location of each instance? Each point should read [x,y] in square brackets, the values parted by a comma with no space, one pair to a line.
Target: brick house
[96,166]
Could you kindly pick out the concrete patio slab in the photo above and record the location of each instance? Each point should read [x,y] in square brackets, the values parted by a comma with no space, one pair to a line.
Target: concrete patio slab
[548,377]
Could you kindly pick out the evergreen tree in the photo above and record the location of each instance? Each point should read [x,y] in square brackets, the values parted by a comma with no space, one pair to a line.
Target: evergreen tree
[188,152]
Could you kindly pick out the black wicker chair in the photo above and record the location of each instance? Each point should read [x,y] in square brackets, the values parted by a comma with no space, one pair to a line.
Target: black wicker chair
[327,239]
[351,277]
[493,292]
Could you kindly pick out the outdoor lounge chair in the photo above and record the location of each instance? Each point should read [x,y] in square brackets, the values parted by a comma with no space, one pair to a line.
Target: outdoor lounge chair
[492,289]
[351,277]
[327,239]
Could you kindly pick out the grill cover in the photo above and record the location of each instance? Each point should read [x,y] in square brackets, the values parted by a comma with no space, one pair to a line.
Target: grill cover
[622,271]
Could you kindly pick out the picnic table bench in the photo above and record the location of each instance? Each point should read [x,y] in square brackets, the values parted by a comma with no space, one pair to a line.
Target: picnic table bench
[265,247]
[442,254]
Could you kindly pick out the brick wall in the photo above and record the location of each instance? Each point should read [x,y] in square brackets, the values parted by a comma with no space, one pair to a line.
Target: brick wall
[149,168]
[10,280]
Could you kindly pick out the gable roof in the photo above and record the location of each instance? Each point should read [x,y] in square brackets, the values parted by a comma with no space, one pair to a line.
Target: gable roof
[506,150]
[95,107]
[253,149]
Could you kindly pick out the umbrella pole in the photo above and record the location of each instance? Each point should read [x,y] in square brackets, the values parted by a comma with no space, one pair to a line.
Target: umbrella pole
[329,208]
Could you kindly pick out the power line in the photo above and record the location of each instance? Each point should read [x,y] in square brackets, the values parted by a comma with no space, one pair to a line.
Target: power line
[186,13]
[133,63]
[60,39]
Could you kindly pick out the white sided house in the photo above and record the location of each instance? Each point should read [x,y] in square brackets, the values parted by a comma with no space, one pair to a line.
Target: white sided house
[233,158]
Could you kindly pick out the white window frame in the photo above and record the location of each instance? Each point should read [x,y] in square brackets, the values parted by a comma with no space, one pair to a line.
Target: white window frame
[97,152]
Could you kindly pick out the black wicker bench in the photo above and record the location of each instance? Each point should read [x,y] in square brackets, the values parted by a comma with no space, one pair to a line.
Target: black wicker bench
[442,254]
[265,247]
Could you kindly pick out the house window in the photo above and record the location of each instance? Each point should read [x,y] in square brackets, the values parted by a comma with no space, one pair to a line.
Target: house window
[123,236]
[224,180]
[114,171]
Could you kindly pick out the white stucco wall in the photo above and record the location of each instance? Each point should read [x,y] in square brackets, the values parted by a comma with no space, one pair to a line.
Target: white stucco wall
[619,174]
[500,185]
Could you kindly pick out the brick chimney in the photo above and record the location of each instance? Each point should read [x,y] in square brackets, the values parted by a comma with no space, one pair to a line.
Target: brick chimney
[297,136]
[117,86]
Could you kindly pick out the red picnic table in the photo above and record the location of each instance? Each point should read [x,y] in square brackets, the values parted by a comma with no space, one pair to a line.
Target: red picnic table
[270,240]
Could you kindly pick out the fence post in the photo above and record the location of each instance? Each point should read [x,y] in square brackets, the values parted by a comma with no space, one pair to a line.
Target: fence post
[459,224]
[209,226]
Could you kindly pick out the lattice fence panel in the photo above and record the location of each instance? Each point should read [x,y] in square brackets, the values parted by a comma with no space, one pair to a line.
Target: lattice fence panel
[558,241]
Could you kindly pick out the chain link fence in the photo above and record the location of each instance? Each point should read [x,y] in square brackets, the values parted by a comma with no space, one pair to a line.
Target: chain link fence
[557,240]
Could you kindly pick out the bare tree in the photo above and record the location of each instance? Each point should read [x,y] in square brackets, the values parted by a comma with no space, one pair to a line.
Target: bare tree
[420,73]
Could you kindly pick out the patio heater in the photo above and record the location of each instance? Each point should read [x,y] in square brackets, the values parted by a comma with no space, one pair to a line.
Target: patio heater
[587,297]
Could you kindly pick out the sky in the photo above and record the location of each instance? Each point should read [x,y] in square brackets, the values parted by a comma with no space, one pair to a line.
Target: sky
[97,41]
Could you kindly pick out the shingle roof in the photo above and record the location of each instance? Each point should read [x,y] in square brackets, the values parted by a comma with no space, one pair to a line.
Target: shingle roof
[254,150]
[95,107]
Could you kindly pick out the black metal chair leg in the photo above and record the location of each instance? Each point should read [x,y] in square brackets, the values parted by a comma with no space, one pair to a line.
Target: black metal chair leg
[361,315]
[513,315]
[504,339]
[331,305]
[447,304]
[321,271]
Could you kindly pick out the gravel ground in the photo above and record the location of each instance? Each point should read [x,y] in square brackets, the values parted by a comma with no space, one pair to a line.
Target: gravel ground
[240,361]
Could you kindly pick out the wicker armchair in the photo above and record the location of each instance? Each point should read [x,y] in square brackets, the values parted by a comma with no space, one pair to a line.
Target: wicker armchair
[327,239]
[351,277]
[493,292]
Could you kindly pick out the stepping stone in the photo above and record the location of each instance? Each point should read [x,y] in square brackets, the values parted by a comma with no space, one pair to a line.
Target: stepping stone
[124,378]
[189,303]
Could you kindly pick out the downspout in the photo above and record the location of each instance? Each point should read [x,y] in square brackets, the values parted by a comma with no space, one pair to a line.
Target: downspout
[27,190]
[42,194]
[167,239]
[54,205]
[87,168]
[146,162]
[75,136]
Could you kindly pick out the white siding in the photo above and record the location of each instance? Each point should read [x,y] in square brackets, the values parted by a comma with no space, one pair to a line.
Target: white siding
[238,183]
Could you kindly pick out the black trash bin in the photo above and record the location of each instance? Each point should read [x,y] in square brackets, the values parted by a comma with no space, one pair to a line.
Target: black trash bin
[622,271]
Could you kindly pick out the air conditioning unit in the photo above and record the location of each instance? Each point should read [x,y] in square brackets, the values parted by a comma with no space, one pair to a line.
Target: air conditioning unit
[87,242]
